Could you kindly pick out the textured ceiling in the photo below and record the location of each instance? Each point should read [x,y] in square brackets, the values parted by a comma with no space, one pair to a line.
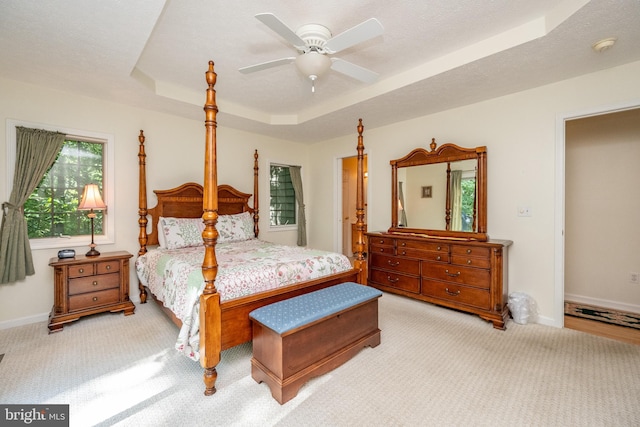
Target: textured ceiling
[434,55]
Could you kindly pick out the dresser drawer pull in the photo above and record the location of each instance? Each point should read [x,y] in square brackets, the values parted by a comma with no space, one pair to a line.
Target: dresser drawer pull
[95,283]
[381,242]
[403,253]
[381,249]
[438,258]
[438,248]
[393,264]
[392,280]
[108,267]
[95,299]
[452,274]
[468,251]
[404,244]
[81,270]
[469,261]
[453,294]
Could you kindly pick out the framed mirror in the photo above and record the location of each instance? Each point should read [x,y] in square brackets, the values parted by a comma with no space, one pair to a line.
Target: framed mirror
[440,193]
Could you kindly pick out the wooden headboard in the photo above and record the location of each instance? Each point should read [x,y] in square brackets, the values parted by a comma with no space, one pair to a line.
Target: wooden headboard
[186,201]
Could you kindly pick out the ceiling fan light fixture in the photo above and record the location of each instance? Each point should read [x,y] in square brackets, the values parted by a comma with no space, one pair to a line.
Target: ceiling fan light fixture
[313,64]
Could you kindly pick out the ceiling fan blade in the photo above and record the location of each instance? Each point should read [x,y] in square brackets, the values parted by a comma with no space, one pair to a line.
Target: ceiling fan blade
[352,70]
[362,32]
[272,21]
[265,65]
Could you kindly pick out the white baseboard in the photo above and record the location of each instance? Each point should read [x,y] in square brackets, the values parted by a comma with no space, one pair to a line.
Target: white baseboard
[24,321]
[633,308]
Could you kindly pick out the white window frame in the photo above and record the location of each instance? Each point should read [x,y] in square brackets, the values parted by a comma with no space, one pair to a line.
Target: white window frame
[287,227]
[108,177]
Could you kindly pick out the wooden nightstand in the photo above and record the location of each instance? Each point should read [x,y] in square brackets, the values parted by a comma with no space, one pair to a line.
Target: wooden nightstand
[89,285]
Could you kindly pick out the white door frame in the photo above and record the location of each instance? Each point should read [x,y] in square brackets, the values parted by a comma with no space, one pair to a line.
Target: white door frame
[559,220]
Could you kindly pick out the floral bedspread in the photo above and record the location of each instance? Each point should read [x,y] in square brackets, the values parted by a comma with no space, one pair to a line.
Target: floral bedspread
[175,276]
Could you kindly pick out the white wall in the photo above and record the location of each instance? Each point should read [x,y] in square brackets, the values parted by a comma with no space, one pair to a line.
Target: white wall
[174,147]
[519,131]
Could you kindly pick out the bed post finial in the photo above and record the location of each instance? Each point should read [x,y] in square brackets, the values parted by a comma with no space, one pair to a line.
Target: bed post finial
[210,313]
[359,246]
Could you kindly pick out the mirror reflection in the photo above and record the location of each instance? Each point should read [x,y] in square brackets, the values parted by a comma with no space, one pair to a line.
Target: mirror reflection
[440,196]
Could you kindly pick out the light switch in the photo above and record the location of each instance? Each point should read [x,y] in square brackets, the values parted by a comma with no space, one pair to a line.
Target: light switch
[524,211]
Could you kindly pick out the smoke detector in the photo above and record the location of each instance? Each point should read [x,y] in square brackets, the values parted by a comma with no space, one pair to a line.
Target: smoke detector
[604,44]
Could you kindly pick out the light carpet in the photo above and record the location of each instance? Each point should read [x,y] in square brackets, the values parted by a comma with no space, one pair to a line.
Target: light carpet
[434,367]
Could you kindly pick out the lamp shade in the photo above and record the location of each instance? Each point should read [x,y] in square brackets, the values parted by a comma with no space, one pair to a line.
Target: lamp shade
[313,64]
[91,198]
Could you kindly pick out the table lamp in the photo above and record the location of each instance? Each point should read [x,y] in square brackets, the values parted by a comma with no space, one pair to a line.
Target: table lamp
[91,200]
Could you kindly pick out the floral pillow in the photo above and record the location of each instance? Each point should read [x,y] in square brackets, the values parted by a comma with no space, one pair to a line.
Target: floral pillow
[180,232]
[235,228]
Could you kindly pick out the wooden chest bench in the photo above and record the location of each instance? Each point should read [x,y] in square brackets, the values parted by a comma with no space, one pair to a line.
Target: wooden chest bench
[309,335]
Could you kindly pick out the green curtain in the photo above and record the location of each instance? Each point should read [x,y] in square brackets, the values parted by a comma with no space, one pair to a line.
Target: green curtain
[456,200]
[36,151]
[296,181]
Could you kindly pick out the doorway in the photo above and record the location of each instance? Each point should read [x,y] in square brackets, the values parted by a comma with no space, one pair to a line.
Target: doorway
[348,203]
[571,195]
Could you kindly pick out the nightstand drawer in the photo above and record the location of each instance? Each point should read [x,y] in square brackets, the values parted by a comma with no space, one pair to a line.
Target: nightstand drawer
[80,270]
[93,283]
[93,299]
[107,267]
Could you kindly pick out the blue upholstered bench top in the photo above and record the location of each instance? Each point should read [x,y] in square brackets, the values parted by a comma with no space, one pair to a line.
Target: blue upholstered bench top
[298,311]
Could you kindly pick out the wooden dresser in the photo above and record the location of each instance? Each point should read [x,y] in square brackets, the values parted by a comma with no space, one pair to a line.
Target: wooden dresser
[466,275]
[89,285]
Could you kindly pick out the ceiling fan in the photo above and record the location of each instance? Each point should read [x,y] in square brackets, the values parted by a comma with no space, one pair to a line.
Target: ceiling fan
[315,43]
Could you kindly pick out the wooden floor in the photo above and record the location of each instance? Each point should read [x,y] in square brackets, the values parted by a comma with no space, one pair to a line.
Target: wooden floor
[619,333]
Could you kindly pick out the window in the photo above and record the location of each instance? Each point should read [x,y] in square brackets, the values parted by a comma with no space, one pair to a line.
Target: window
[468,187]
[282,204]
[52,208]
[51,212]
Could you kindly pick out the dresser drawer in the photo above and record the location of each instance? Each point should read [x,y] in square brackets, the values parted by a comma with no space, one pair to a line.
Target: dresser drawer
[424,246]
[377,240]
[93,283]
[454,273]
[404,265]
[427,256]
[471,262]
[398,281]
[470,251]
[379,249]
[460,294]
[93,299]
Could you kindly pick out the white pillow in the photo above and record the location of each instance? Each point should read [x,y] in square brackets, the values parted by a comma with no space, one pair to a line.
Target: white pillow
[180,232]
[235,228]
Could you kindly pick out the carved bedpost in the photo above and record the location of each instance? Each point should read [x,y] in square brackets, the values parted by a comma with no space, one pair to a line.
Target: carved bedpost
[142,207]
[210,315]
[256,198]
[360,262]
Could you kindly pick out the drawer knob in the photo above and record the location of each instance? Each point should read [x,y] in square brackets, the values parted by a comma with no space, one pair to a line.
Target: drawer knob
[393,264]
[404,243]
[392,280]
[468,251]
[469,261]
[404,252]
[95,283]
[438,248]
[81,270]
[108,267]
[381,242]
[452,274]
[438,258]
[95,299]
[453,294]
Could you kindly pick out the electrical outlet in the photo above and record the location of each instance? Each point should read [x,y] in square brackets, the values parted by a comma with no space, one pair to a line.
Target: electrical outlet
[634,278]
[524,211]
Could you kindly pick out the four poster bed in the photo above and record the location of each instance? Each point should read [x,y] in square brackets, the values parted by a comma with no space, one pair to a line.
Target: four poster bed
[215,224]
